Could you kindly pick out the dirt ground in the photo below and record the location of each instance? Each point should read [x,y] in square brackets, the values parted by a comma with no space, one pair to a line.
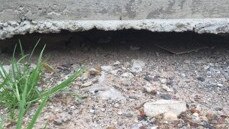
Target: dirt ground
[125,71]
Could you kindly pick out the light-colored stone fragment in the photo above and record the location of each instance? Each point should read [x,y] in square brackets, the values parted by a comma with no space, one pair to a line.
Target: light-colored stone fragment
[152,109]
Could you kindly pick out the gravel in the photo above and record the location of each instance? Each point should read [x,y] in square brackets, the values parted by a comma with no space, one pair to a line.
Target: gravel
[124,89]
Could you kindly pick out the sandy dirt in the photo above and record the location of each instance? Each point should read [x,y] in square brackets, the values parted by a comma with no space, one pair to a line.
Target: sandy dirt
[122,75]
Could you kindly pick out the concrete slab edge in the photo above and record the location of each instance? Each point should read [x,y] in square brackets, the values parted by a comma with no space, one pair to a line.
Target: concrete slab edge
[213,26]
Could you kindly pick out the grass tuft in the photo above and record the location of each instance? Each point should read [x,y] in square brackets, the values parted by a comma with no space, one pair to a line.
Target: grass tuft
[19,87]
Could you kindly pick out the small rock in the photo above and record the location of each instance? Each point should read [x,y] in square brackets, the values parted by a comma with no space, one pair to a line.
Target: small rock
[220,85]
[137,66]
[195,117]
[119,112]
[112,94]
[201,79]
[107,68]
[94,72]
[129,115]
[163,80]
[152,109]
[154,127]
[169,116]
[150,89]
[114,72]
[57,122]
[116,105]
[116,63]
[148,78]
[166,96]
[92,111]
[103,109]
[85,76]
[89,83]
[166,88]
[126,81]
[127,75]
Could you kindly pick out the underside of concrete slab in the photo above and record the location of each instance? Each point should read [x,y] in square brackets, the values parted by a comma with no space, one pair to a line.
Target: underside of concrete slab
[51,16]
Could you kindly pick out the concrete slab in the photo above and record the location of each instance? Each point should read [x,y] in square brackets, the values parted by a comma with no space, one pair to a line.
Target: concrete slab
[51,16]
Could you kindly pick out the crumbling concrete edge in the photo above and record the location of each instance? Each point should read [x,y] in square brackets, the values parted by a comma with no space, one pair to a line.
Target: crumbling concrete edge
[214,26]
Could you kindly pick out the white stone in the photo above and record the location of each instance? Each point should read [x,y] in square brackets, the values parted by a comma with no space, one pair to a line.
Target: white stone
[127,75]
[149,87]
[86,84]
[166,88]
[152,109]
[163,80]
[106,68]
[112,94]
[117,63]
[169,116]
[137,66]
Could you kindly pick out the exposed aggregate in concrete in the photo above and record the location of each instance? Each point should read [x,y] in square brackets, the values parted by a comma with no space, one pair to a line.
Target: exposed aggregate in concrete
[214,26]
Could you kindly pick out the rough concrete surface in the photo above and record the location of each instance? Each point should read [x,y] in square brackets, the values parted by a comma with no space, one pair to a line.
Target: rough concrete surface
[29,16]
[215,26]
[112,9]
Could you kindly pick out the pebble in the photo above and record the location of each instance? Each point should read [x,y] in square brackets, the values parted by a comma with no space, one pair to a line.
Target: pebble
[149,88]
[92,111]
[201,79]
[166,96]
[137,66]
[94,72]
[166,88]
[116,63]
[152,109]
[112,94]
[103,109]
[169,116]
[126,82]
[163,80]
[154,127]
[106,68]
[195,117]
[116,105]
[119,112]
[89,83]
[129,115]
[148,78]
[127,75]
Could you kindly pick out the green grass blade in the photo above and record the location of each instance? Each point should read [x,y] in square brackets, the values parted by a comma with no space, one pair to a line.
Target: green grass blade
[1,123]
[21,49]
[34,49]
[14,51]
[38,112]
[63,84]
[22,106]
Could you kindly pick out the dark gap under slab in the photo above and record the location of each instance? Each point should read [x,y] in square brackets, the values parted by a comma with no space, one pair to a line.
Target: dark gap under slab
[176,43]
